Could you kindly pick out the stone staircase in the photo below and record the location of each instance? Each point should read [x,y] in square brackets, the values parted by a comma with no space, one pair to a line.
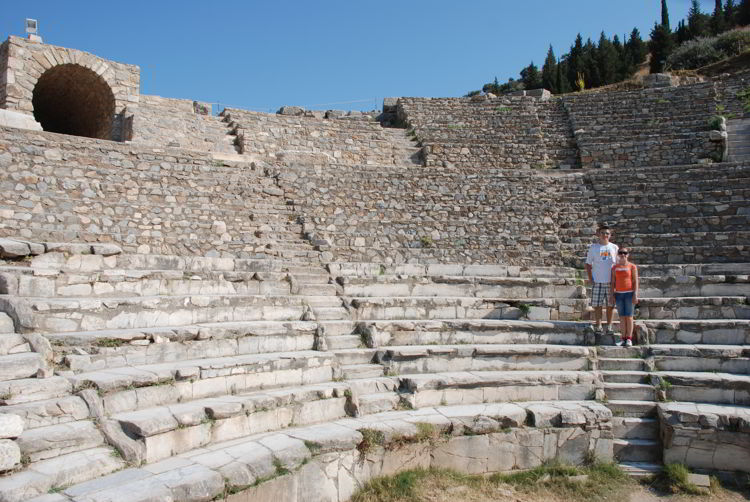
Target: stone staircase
[739,139]
[506,132]
[314,141]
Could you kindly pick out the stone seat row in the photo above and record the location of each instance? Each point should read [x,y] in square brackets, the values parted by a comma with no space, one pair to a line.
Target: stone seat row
[235,465]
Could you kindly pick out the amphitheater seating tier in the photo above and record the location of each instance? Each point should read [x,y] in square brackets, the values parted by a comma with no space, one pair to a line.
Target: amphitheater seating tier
[185,327]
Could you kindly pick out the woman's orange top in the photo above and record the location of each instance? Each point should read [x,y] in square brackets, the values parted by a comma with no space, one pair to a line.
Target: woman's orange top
[624,276]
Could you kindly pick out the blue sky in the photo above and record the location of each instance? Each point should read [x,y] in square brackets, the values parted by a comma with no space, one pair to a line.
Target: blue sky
[261,55]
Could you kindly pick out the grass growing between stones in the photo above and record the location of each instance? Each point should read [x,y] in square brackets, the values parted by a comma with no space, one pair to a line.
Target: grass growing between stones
[548,483]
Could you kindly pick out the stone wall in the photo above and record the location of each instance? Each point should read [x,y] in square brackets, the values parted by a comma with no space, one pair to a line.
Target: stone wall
[648,127]
[502,132]
[314,140]
[431,215]
[180,123]
[727,88]
[70,189]
[28,61]
[705,436]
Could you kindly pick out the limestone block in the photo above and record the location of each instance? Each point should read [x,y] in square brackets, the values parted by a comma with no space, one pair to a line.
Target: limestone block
[10,248]
[195,483]
[11,426]
[6,324]
[9,118]
[10,454]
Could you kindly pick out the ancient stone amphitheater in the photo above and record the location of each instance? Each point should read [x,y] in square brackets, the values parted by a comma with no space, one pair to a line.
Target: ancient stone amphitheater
[281,306]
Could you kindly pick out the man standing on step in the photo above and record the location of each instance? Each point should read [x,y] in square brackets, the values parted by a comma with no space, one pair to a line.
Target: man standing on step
[601,257]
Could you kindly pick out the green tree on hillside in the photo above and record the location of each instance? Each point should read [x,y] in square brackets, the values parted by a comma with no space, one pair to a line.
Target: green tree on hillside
[636,47]
[665,15]
[718,20]
[697,21]
[549,72]
[574,61]
[661,46]
[606,60]
[531,77]
[730,15]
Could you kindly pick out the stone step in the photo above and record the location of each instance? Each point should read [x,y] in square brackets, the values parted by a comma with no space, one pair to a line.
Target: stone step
[344,342]
[701,358]
[629,391]
[616,352]
[620,376]
[348,357]
[87,314]
[170,430]
[359,371]
[637,450]
[20,365]
[455,286]
[52,441]
[451,271]
[373,385]
[46,412]
[709,195]
[479,331]
[706,285]
[56,474]
[377,403]
[705,387]
[640,470]
[497,386]
[403,308]
[636,428]
[28,390]
[704,307]
[143,386]
[621,364]
[709,332]
[443,358]
[632,409]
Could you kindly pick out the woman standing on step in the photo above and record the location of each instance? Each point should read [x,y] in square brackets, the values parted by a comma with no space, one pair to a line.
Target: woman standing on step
[624,284]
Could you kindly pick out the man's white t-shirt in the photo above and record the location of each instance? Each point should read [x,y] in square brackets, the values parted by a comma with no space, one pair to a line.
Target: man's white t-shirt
[602,258]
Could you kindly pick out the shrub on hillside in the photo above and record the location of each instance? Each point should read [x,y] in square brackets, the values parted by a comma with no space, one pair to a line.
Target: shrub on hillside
[702,51]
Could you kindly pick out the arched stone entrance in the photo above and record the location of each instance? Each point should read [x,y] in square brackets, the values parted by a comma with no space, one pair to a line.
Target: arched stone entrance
[72,99]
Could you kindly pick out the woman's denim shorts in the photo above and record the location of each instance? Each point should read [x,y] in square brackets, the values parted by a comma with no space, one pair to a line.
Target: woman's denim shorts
[624,302]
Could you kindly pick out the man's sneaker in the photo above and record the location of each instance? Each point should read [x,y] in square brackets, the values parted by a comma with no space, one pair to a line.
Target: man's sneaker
[598,331]
[609,330]
[628,342]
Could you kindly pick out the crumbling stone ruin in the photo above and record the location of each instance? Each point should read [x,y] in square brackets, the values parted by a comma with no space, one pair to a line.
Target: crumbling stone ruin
[281,306]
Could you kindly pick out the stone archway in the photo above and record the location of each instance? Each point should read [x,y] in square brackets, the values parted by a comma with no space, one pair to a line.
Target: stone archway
[72,99]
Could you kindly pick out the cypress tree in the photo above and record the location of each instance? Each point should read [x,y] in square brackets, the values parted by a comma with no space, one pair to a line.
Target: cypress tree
[665,15]
[697,23]
[683,33]
[636,47]
[531,77]
[730,14]
[575,62]
[590,67]
[563,86]
[549,72]
[661,46]
[718,21]
[606,60]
